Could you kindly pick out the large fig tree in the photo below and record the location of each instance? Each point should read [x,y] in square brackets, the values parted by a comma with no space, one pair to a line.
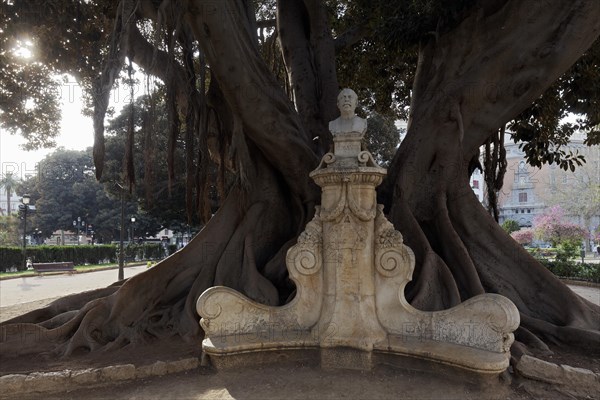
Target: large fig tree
[250,87]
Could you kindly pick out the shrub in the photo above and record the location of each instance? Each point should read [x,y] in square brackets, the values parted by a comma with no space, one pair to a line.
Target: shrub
[510,226]
[172,248]
[145,251]
[567,250]
[11,258]
[79,255]
[542,253]
[573,270]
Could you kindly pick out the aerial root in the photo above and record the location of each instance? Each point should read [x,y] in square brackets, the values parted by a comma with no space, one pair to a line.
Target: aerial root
[90,333]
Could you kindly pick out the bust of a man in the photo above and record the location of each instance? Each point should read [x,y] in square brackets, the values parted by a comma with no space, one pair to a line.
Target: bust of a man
[348,122]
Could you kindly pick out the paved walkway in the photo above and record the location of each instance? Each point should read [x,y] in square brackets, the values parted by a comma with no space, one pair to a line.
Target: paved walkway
[34,288]
[587,292]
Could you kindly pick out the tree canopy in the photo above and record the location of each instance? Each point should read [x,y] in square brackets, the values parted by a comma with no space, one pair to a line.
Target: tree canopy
[376,44]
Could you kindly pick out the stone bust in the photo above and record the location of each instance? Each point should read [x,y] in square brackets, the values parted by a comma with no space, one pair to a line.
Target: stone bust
[347,122]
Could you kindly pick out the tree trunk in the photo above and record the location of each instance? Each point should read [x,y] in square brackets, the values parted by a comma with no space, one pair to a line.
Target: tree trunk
[458,102]
[8,195]
[244,244]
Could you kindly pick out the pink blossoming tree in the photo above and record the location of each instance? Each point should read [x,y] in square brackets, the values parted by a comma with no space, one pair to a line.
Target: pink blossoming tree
[553,227]
[523,236]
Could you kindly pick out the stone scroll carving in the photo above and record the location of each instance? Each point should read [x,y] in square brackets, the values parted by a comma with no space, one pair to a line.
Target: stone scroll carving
[350,267]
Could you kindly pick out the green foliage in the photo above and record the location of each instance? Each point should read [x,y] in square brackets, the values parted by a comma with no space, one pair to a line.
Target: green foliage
[382,138]
[9,183]
[12,258]
[9,231]
[380,64]
[62,36]
[79,255]
[162,203]
[145,251]
[565,263]
[171,248]
[542,253]
[569,269]
[510,226]
[567,250]
[542,127]
[66,189]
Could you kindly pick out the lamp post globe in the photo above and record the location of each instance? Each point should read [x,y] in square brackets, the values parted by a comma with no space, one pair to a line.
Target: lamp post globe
[132,229]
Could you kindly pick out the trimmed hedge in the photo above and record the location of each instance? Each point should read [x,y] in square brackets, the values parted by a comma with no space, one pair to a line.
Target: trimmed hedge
[541,253]
[572,270]
[146,251]
[12,257]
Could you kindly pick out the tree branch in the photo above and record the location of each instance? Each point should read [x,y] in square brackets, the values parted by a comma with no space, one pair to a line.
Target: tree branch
[160,64]
[267,116]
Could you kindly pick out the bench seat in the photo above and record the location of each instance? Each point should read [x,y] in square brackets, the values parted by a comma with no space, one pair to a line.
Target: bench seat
[66,266]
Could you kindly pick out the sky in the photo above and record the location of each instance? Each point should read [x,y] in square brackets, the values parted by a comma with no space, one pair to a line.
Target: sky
[76,133]
[76,130]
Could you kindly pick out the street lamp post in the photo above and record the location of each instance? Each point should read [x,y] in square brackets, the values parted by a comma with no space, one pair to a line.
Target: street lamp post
[121,233]
[25,200]
[77,224]
[132,229]
[91,228]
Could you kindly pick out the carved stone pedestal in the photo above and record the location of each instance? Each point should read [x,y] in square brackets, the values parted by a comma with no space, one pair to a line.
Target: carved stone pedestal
[350,267]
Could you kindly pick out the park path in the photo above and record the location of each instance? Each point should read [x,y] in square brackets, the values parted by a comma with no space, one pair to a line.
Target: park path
[35,289]
[21,295]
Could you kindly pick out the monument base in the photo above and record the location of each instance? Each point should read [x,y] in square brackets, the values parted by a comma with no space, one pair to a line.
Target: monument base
[409,355]
[350,267]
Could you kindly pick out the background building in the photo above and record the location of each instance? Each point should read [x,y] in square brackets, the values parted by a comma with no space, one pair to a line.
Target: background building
[528,190]
[477,184]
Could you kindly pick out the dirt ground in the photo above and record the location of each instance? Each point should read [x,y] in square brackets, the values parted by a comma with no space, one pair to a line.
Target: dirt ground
[289,381]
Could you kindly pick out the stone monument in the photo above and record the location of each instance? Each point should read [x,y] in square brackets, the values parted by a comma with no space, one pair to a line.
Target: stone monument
[350,267]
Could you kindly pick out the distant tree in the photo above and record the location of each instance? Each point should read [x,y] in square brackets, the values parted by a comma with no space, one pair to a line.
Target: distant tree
[553,227]
[578,192]
[9,183]
[510,226]
[567,237]
[65,188]
[382,137]
[523,236]
[161,196]
[9,231]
